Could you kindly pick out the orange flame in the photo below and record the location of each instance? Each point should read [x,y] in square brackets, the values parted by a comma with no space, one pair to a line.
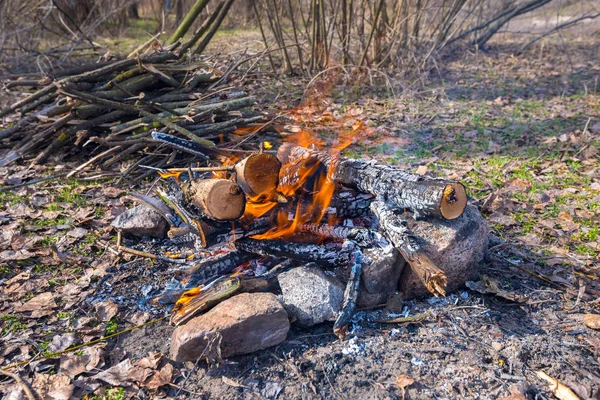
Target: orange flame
[308,208]
[186,297]
[169,174]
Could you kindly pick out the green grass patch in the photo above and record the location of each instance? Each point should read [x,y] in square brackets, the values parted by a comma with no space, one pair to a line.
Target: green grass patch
[11,324]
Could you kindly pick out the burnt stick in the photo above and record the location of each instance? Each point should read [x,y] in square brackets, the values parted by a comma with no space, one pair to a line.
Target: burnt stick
[215,265]
[351,293]
[327,255]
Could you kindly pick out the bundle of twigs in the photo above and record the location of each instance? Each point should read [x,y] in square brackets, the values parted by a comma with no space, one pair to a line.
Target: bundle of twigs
[112,108]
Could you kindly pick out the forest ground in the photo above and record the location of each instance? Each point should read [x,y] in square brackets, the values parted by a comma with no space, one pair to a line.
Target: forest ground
[521,132]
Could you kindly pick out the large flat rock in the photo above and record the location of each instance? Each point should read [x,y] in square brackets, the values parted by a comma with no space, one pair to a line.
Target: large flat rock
[458,247]
[240,325]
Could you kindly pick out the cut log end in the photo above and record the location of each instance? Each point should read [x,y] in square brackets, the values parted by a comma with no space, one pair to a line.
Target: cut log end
[258,175]
[220,199]
[454,200]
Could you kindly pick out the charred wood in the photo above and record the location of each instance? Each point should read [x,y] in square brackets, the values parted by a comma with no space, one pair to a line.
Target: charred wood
[327,255]
[410,247]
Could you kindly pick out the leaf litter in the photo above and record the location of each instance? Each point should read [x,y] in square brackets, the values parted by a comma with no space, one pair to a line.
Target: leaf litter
[529,155]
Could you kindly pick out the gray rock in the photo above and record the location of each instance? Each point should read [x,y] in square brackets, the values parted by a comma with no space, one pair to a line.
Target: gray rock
[457,247]
[311,296]
[142,221]
[240,325]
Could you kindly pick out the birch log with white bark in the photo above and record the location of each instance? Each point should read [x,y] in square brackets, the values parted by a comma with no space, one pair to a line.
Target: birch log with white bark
[424,196]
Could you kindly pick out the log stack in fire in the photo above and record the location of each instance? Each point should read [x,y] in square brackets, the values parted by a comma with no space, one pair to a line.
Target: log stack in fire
[300,222]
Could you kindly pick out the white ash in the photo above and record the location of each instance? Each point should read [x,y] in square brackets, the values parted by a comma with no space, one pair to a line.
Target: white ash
[353,347]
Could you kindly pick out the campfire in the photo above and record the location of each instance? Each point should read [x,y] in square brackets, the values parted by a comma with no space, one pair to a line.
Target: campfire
[252,217]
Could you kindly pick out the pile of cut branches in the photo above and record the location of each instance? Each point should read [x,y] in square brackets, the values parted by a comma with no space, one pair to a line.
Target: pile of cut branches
[112,108]
[116,106]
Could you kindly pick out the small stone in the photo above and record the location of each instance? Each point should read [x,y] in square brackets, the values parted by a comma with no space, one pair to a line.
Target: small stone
[310,295]
[142,221]
[592,321]
[497,346]
[458,247]
[242,324]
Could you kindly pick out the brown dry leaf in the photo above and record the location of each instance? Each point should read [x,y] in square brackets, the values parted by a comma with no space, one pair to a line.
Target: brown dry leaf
[72,364]
[161,378]
[117,375]
[489,286]
[84,214]
[565,216]
[403,381]
[77,233]
[560,390]
[61,342]
[421,170]
[594,342]
[106,310]
[517,185]
[231,382]
[16,255]
[54,387]
[24,242]
[44,301]
[515,394]
[151,361]
[592,321]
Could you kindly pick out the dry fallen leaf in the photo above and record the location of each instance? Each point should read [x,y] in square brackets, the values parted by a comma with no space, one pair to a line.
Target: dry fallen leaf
[592,321]
[489,286]
[57,387]
[231,382]
[117,375]
[106,310]
[560,390]
[161,378]
[404,381]
[39,305]
[421,170]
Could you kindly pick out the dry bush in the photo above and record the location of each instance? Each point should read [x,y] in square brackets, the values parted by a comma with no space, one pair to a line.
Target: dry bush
[401,34]
[41,33]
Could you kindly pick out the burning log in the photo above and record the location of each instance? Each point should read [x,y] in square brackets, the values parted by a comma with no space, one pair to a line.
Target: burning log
[218,199]
[300,174]
[258,176]
[199,299]
[422,195]
[413,252]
